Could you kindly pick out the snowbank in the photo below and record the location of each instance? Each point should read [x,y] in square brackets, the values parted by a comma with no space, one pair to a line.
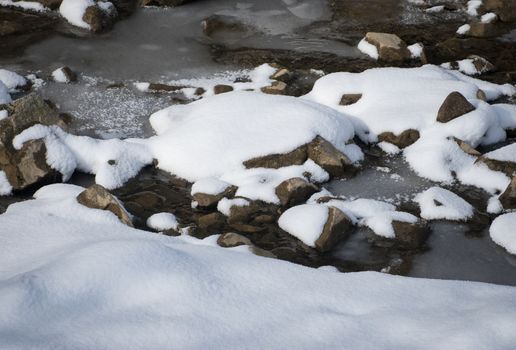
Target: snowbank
[239,125]
[76,278]
[503,231]
[438,203]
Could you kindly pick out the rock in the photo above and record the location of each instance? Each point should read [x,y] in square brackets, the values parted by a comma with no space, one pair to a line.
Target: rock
[276,88]
[210,224]
[205,200]
[247,228]
[231,239]
[282,74]
[275,161]
[481,95]
[405,139]
[32,167]
[294,191]
[482,30]
[482,66]
[390,47]
[329,158]
[64,75]
[99,19]
[508,197]
[336,228]
[505,9]
[411,235]
[506,167]
[349,99]
[454,106]
[221,88]
[97,197]
[51,4]
[164,87]
[467,148]
[263,219]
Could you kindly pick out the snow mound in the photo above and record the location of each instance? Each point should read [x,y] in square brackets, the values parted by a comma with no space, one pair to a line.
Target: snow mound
[209,185]
[438,203]
[240,126]
[12,80]
[163,222]
[76,278]
[305,222]
[503,231]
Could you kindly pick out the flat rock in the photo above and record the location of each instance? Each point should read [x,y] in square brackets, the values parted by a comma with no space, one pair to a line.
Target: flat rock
[221,88]
[276,88]
[205,200]
[390,47]
[275,161]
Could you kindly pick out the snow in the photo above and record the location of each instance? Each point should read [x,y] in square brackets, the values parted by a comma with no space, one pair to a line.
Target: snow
[5,187]
[210,186]
[73,11]
[494,206]
[416,50]
[224,206]
[239,125]
[435,9]
[3,114]
[4,94]
[504,154]
[466,66]
[76,278]
[463,29]
[489,17]
[389,148]
[369,49]
[503,231]
[12,80]
[305,222]
[26,5]
[59,76]
[163,221]
[439,203]
[472,7]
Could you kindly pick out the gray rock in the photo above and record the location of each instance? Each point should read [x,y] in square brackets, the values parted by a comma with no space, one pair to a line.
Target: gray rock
[349,99]
[411,235]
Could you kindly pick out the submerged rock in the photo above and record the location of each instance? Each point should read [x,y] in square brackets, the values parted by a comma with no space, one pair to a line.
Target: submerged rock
[454,106]
[411,235]
[97,197]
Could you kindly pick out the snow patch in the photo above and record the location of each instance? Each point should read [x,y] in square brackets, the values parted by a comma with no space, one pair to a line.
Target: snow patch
[305,222]
[439,203]
[503,231]
[163,222]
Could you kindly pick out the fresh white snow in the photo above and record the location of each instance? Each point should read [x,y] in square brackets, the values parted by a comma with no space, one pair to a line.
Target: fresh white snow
[12,80]
[503,231]
[369,49]
[5,186]
[439,203]
[4,94]
[209,185]
[463,29]
[163,221]
[26,5]
[305,222]
[73,11]
[504,154]
[59,76]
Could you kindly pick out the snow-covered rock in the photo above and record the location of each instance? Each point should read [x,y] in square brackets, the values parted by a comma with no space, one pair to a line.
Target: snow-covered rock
[64,75]
[88,14]
[12,80]
[503,231]
[384,46]
[439,203]
[68,271]
[163,222]
[4,94]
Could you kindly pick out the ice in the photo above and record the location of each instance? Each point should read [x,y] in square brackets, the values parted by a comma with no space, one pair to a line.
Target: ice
[439,203]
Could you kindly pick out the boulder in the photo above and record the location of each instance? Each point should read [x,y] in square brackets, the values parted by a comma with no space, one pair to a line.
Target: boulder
[390,47]
[405,139]
[97,197]
[411,235]
[349,99]
[336,228]
[508,197]
[210,224]
[482,66]
[276,88]
[454,106]
[505,9]
[329,158]
[221,88]
[482,30]
[294,191]
[205,200]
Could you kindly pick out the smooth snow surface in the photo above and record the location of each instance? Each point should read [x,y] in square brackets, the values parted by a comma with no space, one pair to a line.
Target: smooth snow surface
[162,222]
[439,203]
[72,277]
[369,49]
[5,186]
[305,222]
[503,231]
[4,94]
[504,154]
[73,11]
[11,80]
[209,185]
[213,136]
[463,29]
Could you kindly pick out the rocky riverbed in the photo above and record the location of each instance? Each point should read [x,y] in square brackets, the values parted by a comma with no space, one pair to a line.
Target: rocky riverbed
[126,66]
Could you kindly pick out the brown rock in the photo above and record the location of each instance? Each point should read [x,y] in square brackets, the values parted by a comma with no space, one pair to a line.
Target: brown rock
[210,200]
[508,197]
[329,158]
[211,223]
[405,139]
[337,228]
[481,95]
[282,74]
[467,148]
[276,88]
[32,167]
[294,191]
[390,47]
[482,66]
[99,20]
[220,89]
[275,161]
[349,99]
[97,197]
[482,30]
[454,106]
[411,235]
[68,73]
[231,239]
[164,87]
[506,167]
[51,4]
[505,9]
